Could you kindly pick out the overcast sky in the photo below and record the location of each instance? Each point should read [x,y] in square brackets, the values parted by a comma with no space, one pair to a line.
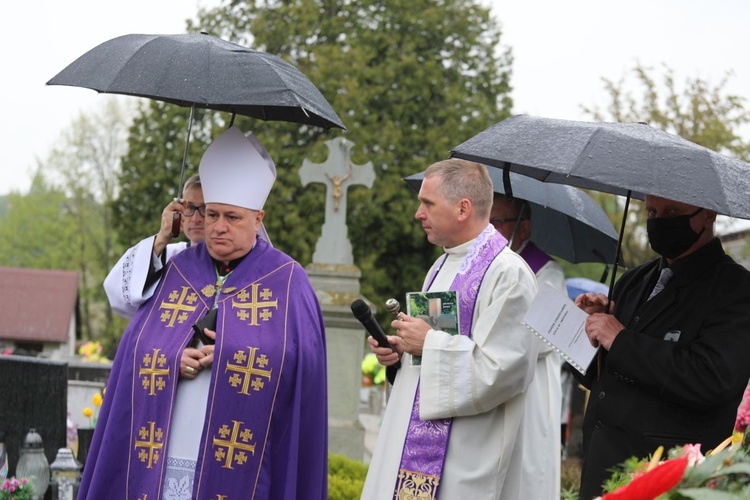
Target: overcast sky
[561,49]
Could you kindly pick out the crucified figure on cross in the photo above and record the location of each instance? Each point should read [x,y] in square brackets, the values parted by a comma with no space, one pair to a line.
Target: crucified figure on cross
[336,180]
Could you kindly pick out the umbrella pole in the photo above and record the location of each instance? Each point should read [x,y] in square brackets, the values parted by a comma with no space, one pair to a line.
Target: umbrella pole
[185,154]
[506,181]
[177,216]
[619,249]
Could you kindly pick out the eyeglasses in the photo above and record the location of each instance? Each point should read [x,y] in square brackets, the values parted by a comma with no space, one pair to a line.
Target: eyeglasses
[496,222]
[190,210]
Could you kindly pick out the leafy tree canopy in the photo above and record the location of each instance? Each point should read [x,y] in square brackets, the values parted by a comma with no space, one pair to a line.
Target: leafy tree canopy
[410,80]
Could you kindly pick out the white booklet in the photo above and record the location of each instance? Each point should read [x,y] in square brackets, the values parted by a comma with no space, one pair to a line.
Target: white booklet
[556,319]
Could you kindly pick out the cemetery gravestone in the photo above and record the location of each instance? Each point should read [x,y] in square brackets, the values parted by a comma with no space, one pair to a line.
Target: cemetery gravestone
[34,395]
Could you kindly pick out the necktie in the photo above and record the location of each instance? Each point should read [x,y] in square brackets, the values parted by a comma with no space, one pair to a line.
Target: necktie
[664,277]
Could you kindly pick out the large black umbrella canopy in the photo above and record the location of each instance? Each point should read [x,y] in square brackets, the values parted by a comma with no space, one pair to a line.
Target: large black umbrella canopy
[614,157]
[630,159]
[202,71]
[566,222]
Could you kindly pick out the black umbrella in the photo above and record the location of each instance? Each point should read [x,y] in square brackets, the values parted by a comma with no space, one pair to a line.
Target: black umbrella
[626,159]
[201,71]
[616,158]
[567,222]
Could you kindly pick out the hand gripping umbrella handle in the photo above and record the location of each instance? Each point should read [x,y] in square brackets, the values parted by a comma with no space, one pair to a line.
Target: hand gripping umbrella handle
[176,223]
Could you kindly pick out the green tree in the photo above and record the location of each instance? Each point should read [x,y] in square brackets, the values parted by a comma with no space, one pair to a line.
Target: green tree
[85,166]
[150,173]
[35,224]
[410,79]
[697,110]
[63,221]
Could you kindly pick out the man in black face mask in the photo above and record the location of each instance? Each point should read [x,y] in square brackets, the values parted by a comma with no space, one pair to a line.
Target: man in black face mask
[675,351]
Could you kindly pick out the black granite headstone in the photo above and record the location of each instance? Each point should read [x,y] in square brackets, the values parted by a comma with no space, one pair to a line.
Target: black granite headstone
[33,395]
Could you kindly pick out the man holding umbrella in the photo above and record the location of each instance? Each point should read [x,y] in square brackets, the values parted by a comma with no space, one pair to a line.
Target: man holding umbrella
[129,282]
[674,350]
[247,419]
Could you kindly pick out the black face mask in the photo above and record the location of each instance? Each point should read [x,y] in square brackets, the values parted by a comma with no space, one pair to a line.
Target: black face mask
[672,236]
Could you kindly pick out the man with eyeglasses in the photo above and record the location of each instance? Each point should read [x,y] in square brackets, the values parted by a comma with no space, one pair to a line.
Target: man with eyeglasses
[132,280]
[541,427]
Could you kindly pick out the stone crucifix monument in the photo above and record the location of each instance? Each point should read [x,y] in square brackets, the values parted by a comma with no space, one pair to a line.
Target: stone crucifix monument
[335,279]
[337,173]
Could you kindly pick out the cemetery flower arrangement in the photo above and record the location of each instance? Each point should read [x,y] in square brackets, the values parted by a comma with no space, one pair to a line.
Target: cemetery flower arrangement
[92,351]
[16,489]
[686,474]
[92,415]
[723,473]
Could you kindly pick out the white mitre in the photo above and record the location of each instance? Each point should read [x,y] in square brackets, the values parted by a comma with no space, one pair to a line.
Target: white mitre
[237,170]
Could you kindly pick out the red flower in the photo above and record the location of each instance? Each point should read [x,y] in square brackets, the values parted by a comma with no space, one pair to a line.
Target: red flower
[653,483]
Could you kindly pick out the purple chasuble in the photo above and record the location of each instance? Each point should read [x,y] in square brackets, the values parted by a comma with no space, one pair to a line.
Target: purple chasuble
[426,441]
[265,431]
[535,258]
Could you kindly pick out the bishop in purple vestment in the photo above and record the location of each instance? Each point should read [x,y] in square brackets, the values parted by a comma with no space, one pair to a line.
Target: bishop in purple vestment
[246,417]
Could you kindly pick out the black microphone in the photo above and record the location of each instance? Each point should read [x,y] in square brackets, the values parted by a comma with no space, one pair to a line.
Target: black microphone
[363,313]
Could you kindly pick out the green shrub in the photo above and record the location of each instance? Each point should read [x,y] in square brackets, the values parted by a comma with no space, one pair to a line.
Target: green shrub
[346,477]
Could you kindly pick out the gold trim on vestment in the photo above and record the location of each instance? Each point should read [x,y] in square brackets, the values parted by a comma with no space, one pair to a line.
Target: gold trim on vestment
[249,370]
[150,444]
[416,486]
[232,445]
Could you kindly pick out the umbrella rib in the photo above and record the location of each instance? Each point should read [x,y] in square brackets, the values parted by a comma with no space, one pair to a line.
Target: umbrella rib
[117,75]
[584,151]
[279,76]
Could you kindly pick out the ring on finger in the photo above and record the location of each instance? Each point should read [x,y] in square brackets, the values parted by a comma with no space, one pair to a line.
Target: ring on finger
[191,370]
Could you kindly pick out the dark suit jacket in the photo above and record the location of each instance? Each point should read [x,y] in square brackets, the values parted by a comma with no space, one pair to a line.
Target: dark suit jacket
[677,372]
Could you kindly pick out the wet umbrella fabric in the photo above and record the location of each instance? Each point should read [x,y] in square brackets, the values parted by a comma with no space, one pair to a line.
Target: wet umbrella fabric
[567,222]
[630,159]
[615,158]
[203,71]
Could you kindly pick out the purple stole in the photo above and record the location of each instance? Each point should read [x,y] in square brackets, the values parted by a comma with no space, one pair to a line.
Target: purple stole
[252,351]
[535,258]
[426,441]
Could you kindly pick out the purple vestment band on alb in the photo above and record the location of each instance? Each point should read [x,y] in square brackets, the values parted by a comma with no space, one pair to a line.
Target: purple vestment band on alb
[534,257]
[426,442]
